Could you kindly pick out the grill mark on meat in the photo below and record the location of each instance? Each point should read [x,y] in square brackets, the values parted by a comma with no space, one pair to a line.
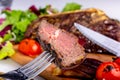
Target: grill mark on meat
[65,44]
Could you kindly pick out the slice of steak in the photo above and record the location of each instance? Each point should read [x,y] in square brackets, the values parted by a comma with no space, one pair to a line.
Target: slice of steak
[69,52]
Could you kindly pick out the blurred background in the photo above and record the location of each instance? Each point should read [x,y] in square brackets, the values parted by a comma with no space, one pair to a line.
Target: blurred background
[110,7]
[5,4]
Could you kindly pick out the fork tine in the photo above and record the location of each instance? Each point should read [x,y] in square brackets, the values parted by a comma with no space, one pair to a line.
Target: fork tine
[40,69]
[33,61]
[36,64]
[39,65]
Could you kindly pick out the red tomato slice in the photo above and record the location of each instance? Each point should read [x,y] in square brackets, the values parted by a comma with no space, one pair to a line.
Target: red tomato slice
[30,47]
[108,71]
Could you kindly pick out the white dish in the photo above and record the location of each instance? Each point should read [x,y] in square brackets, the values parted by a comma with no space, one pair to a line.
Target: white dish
[110,7]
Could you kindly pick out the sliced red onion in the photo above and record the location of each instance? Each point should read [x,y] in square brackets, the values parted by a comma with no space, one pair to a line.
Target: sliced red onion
[1,20]
[34,10]
[2,44]
[8,8]
[4,31]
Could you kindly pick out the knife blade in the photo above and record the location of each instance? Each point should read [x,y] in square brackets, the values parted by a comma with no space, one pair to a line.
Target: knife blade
[105,42]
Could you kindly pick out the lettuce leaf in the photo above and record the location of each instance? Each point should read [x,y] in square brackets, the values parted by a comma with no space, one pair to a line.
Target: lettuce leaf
[19,21]
[7,50]
[71,7]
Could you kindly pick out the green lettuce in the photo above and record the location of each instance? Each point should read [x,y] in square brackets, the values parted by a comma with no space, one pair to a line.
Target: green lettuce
[19,21]
[7,49]
[71,7]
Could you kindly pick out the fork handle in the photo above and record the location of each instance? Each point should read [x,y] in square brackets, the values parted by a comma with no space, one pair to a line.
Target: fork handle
[14,75]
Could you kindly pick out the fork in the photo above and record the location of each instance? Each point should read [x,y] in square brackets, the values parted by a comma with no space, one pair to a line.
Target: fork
[32,69]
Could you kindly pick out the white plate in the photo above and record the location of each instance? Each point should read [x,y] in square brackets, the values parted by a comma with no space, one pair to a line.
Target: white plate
[110,7]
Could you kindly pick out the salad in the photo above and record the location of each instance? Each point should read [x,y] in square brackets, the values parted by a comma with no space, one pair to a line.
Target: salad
[14,25]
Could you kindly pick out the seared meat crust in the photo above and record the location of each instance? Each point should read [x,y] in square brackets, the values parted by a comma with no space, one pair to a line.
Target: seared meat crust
[92,18]
[68,50]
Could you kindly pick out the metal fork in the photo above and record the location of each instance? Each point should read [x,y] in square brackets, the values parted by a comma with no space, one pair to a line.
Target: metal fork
[32,69]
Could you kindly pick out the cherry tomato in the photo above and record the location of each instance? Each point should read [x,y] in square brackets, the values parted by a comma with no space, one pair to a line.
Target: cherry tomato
[108,71]
[30,47]
[117,61]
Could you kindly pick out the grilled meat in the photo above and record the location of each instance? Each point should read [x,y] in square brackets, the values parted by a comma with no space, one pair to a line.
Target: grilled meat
[66,20]
[69,52]
[92,18]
